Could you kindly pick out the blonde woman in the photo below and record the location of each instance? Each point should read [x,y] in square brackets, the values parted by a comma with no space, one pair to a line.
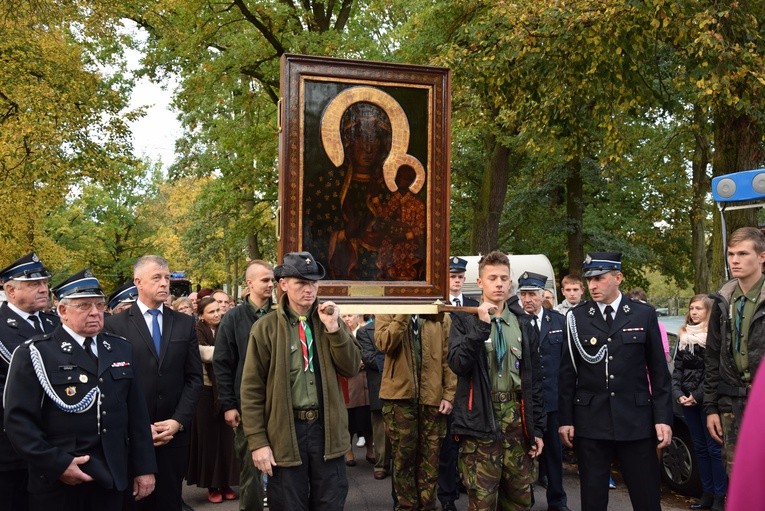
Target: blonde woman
[687,389]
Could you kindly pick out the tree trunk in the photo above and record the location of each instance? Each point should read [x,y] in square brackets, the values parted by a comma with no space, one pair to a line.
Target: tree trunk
[575,214]
[700,185]
[738,146]
[491,199]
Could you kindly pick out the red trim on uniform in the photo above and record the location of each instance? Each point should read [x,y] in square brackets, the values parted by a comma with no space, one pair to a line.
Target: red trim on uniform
[470,396]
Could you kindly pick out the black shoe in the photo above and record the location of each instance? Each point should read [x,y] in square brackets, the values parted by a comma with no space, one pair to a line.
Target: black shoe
[449,506]
[542,481]
[719,503]
[705,502]
[186,507]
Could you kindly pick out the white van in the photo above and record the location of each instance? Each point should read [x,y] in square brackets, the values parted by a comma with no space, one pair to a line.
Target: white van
[537,263]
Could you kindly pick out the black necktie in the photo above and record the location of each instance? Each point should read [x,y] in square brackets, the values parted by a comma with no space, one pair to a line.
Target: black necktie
[36,323]
[456,302]
[89,350]
[609,319]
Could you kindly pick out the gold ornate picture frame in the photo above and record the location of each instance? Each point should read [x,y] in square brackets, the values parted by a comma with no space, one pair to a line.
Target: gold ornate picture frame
[364,176]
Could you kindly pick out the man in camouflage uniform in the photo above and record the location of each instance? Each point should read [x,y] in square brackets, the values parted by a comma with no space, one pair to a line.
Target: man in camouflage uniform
[735,339]
[499,407]
[417,392]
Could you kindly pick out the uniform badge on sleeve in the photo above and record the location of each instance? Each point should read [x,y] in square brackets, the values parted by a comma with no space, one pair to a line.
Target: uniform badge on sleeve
[591,312]
[84,378]
[70,391]
[626,309]
[107,345]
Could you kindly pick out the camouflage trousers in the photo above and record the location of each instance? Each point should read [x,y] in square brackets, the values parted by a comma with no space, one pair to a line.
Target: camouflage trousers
[415,433]
[730,424]
[498,473]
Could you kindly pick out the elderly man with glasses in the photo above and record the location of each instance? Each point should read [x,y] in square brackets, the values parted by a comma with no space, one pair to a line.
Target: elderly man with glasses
[75,412]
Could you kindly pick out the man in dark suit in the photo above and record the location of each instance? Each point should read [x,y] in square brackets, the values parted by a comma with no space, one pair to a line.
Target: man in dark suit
[552,327]
[74,410]
[166,355]
[25,282]
[607,406]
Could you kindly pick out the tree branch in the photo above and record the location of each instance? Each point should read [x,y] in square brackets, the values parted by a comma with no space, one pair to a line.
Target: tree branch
[267,34]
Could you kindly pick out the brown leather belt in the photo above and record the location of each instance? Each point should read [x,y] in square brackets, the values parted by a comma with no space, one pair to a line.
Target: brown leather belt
[306,415]
[505,397]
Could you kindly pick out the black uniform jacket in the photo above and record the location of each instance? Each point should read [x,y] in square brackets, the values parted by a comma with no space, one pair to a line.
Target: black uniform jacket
[612,399]
[551,335]
[171,383]
[13,332]
[48,438]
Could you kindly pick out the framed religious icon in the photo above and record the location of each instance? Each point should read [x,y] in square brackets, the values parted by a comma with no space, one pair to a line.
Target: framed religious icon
[364,176]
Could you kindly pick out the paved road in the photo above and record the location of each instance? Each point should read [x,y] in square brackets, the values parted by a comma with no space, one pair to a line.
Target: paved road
[369,494]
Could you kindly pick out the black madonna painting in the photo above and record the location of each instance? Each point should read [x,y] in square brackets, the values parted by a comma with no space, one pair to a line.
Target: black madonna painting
[364,174]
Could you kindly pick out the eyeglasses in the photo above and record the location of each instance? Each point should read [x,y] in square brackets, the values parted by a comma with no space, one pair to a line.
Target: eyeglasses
[86,306]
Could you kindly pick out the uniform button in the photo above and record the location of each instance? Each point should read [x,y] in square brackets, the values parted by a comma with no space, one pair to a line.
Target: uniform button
[69,378]
[610,376]
[159,396]
[101,380]
[609,339]
[103,413]
[104,430]
[610,357]
[613,394]
[310,383]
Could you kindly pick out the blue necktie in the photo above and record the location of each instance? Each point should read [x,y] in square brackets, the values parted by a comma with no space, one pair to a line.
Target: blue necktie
[155,332]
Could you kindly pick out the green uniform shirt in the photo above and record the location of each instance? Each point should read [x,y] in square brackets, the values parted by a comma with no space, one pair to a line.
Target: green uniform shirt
[303,383]
[741,355]
[259,313]
[508,377]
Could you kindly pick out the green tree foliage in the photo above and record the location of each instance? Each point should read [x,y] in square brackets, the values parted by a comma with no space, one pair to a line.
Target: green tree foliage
[105,227]
[62,117]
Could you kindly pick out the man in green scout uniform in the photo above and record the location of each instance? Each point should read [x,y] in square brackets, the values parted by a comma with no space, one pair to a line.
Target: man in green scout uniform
[293,411]
[417,391]
[499,407]
[736,338]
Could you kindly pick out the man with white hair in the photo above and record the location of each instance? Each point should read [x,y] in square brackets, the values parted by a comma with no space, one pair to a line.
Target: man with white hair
[551,326]
[74,409]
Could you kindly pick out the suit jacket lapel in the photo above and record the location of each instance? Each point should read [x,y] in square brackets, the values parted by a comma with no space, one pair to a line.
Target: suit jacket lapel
[106,356]
[77,355]
[622,316]
[545,326]
[16,322]
[167,328]
[140,325]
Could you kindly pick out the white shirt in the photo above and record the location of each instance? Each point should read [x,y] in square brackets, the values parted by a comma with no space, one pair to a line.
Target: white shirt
[614,305]
[458,297]
[149,318]
[26,315]
[80,339]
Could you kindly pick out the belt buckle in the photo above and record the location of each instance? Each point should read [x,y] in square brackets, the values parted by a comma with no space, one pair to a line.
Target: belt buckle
[311,415]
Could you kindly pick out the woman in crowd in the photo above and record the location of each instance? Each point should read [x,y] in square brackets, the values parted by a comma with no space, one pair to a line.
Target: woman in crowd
[212,463]
[183,304]
[687,389]
[357,401]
